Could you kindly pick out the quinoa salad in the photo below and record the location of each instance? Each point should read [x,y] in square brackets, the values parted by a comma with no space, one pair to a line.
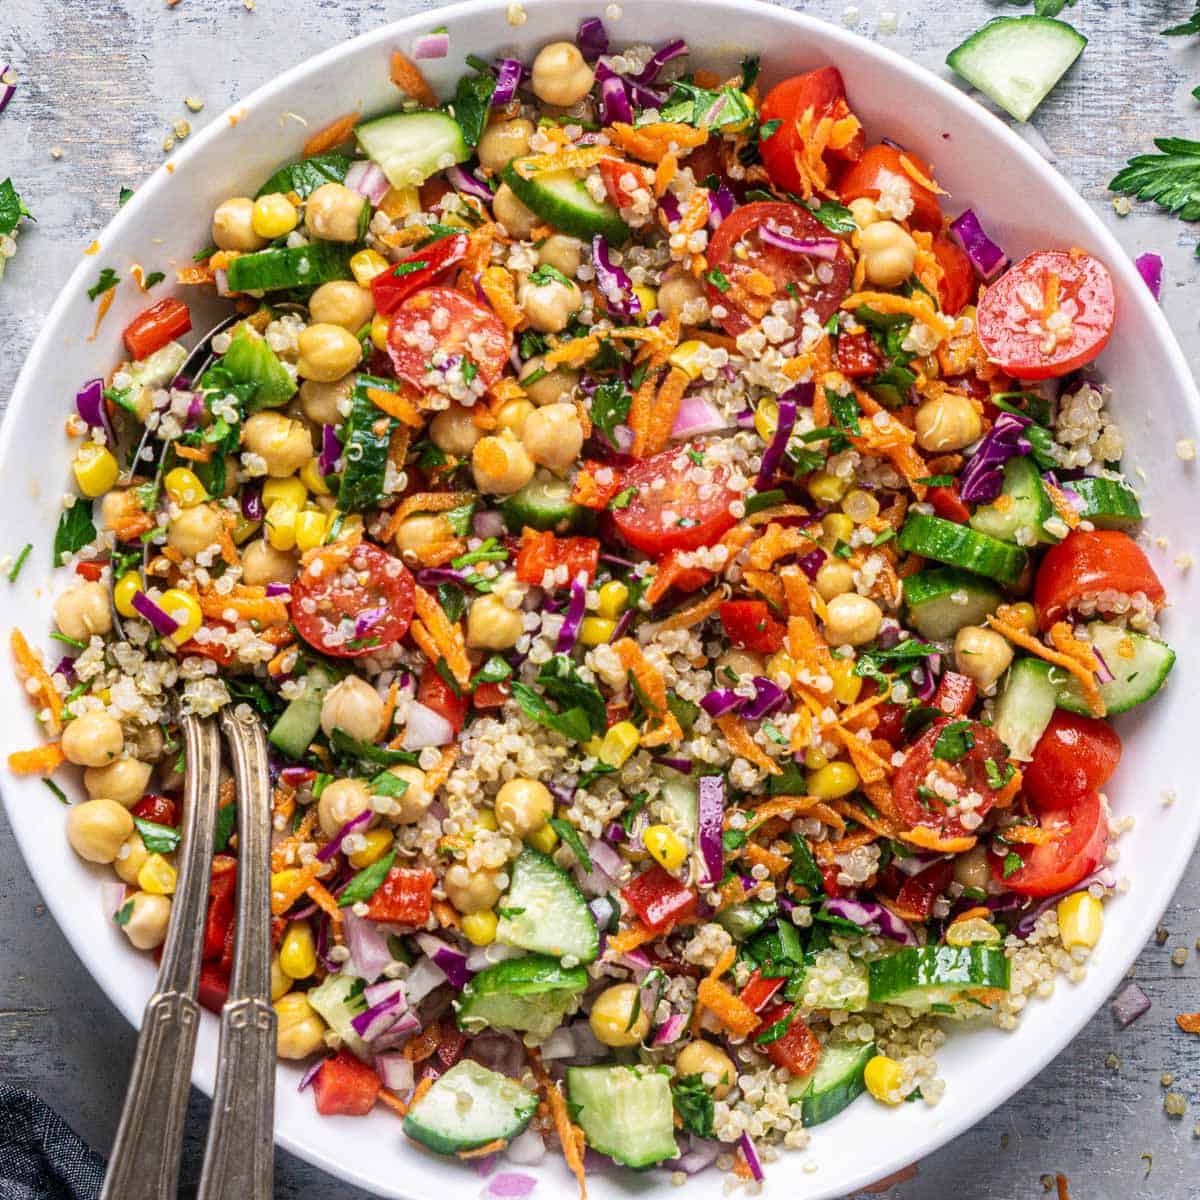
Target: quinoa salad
[686,573]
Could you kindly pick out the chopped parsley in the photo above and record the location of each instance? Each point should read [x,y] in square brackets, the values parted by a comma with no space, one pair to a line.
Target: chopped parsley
[954,742]
[1013,862]
[368,881]
[569,835]
[718,279]
[107,281]
[18,563]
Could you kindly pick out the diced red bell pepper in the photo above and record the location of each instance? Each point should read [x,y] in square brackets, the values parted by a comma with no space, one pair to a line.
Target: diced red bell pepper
[947,504]
[659,899]
[345,1087]
[798,1049]
[214,987]
[857,355]
[392,287]
[404,896]
[685,578]
[758,991]
[435,693]
[750,626]
[891,723]
[921,890]
[490,695]
[222,887]
[90,570]
[541,552]
[956,694]
[155,808]
[829,876]
[152,329]
[588,489]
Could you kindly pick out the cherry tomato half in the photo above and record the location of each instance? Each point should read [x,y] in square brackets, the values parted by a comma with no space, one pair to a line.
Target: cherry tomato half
[1074,852]
[351,605]
[1074,756]
[957,287]
[1049,315]
[439,318]
[879,170]
[857,355]
[750,626]
[423,267]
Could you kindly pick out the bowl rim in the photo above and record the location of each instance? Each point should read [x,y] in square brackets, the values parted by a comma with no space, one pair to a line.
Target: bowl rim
[95,957]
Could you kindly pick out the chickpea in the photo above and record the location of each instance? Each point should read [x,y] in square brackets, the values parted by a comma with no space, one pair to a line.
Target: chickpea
[513,414]
[560,75]
[280,983]
[425,530]
[118,506]
[834,578]
[981,654]
[523,806]
[704,1058]
[678,290]
[852,620]
[549,306]
[492,625]
[93,739]
[233,226]
[124,780]
[148,920]
[553,436]
[96,829]
[342,302]
[500,465]
[517,220]
[889,252]
[131,858]
[743,663]
[353,706]
[83,610]
[562,253]
[947,422]
[322,403]
[342,801]
[470,891]
[299,1031]
[333,213]
[411,804]
[454,431]
[194,530]
[551,387]
[863,211]
[611,1017]
[263,564]
[972,869]
[502,142]
[327,352]
[284,444]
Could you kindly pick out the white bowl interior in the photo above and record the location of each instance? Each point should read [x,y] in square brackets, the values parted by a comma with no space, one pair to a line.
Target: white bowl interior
[1025,205]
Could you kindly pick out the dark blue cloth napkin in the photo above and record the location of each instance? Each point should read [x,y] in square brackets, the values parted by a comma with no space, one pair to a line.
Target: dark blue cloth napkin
[41,1156]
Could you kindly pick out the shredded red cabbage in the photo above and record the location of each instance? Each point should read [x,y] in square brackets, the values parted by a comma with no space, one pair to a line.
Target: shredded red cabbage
[799,394]
[592,38]
[334,845]
[682,765]
[720,204]
[6,89]
[331,450]
[720,701]
[983,476]
[826,249]
[812,562]
[310,1074]
[466,183]
[986,257]
[89,401]
[870,912]
[431,45]
[769,698]
[162,621]
[614,101]
[367,179]
[508,79]
[661,57]
[751,1156]
[1025,925]
[614,283]
[710,823]
[568,635]
[1150,268]
[670,206]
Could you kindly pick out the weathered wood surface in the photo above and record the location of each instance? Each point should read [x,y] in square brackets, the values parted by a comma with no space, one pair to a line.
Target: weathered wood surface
[105,79]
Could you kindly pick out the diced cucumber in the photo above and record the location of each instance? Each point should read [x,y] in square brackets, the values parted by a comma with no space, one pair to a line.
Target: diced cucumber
[1017,60]
[959,546]
[411,146]
[332,1000]
[545,503]
[922,976]
[1139,665]
[942,600]
[531,994]
[839,1079]
[545,912]
[1023,507]
[1107,503]
[297,725]
[561,199]
[834,980]
[1025,706]
[744,920]
[682,798]
[625,1112]
[468,1107]
[287,267]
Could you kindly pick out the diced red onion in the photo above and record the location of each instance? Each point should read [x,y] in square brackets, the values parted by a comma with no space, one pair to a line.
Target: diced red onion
[334,845]
[986,257]
[1129,1004]
[799,394]
[1103,670]
[670,206]
[452,962]
[422,979]
[661,57]
[508,79]
[668,1032]
[195,411]
[605,857]
[463,181]
[1150,268]
[395,1072]
[112,896]
[614,101]
[710,818]
[426,728]
[636,961]
[700,1155]
[311,1074]
[367,943]
[812,562]
[697,416]
[592,38]
[65,666]
[682,765]
[488,523]
[623,436]
[983,476]
[252,507]
[431,45]
[915,863]
[366,177]
[826,249]
[6,89]
[510,1185]
[331,450]
[481,957]
[568,635]
[870,912]
[768,698]
[614,283]
[751,1156]
[89,402]
[162,621]
[720,204]
[377,993]
[381,1017]
[527,1149]
[720,701]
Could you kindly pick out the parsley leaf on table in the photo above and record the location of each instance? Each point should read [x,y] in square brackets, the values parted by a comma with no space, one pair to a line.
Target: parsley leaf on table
[1170,178]
[1190,26]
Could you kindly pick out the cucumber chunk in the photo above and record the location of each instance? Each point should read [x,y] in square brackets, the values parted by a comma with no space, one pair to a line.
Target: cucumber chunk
[286,267]
[942,600]
[1107,503]
[625,1112]
[742,921]
[411,146]
[1017,60]
[1025,706]
[922,976]
[332,999]
[297,725]
[469,1107]
[531,994]
[1139,664]
[838,1080]
[546,913]
[561,199]
[958,546]
[545,503]
[1023,509]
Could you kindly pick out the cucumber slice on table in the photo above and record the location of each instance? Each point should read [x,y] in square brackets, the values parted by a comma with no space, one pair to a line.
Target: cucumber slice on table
[333,1001]
[412,146]
[1025,706]
[297,725]
[837,1081]
[545,912]
[1107,503]
[1022,509]
[287,267]
[959,546]
[1139,665]
[469,1107]
[530,994]
[561,199]
[545,503]
[1017,60]
[942,600]
[922,976]
[625,1112]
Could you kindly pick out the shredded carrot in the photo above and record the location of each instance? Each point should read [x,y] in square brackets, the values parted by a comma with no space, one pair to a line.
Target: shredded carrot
[693,614]
[651,143]
[44,760]
[194,453]
[760,855]
[447,635]
[440,771]
[419,1091]
[1062,505]
[629,939]
[501,292]
[973,914]
[743,745]
[880,826]
[205,273]
[828,851]
[106,302]
[422,1046]
[406,75]
[1189,1022]
[776,542]
[284,897]
[665,172]
[666,409]
[446,914]
[492,1147]
[733,1012]
[767,584]
[569,160]
[918,307]
[1060,1182]
[870,766]
[925,838]
[424,502]
[399,404]
[569,1135]
[283,803]
[332,135]
[919,177]
[321,896]
[641,410]
[1070,653]
[249,603]
[29,666]
[786,807]
[1028,835]
[666,728]
[392,1101]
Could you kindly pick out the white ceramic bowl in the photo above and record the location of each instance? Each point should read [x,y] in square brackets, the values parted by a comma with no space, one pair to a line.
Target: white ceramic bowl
[1025,204]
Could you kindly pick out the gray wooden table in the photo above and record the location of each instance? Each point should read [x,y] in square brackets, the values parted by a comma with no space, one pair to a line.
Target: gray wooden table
[103,81]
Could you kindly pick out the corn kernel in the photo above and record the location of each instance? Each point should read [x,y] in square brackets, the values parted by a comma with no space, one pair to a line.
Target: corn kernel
[544,839]
[184,487]
[127,587]
[972,931]
[837,528]
[827,488]
[310,475]
[298,951]
[815,758]
[665,846]
[486,820]
[480,927]
[95,469]
[310,528]
[619,743]
[833,780]
[1080,920]
[690,357]
[860,506]
[613,599]
[846,685]
[280,983]
[647,297]
[184,609]
[782,663]
[594,747]
[291,491]
[379,331]
[157,876]
[883,1078]
[273,216]
[281,525]
[365,265]
[596,631]
[766,418]
[400,202]
[379,842]
[1024,615]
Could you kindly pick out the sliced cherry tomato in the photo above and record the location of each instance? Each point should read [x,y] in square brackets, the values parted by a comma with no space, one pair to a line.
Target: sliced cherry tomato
[956,694]
[877,172]
[490,695]
[542,551]
[919,891]
[614,172]
[912,786]
[758,991]
[1074,756]
[152,329]
[857,355]
[1049,315]
[738,252]
[797,1049]
[348,606]
[345,1087]
[891,723]
[677,513]
[90,570]
[222,887]
[423,267]
[214,987]
[1087,563]
[659,899]
[947,505]
[957,287]
[435,693]
[1074,852]
[822,91]
[707,159]
[750,626]
[159,810]
[440,318]
[404,897]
